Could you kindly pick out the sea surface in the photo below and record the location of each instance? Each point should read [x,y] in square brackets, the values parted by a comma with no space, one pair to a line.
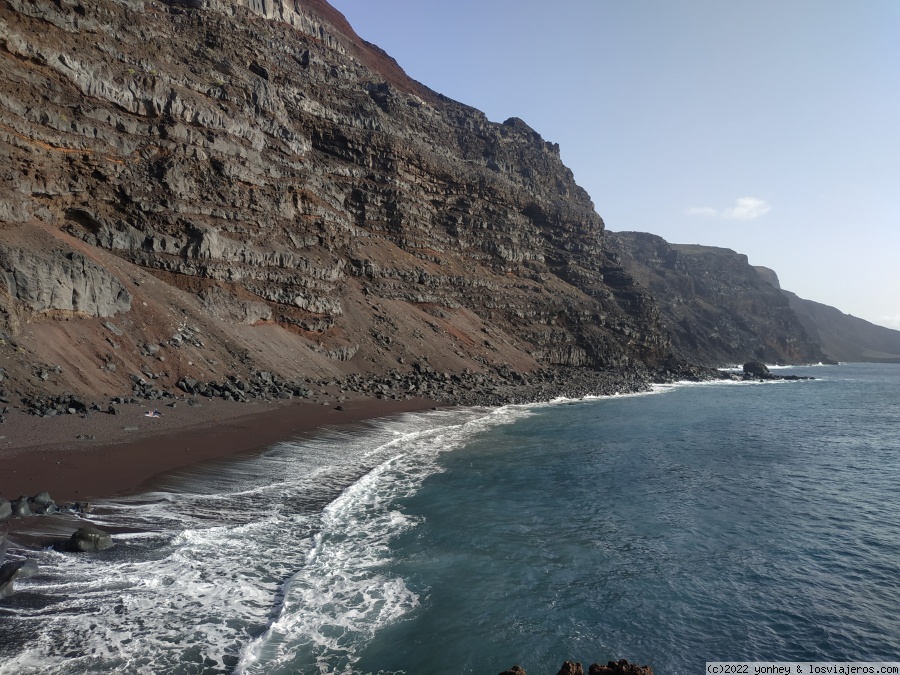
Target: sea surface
[720,522]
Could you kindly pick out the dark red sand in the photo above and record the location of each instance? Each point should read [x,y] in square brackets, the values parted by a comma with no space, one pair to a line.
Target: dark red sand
[128,449]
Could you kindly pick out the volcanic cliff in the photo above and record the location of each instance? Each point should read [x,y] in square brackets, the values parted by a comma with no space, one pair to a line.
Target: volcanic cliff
[205,188]
[715,306]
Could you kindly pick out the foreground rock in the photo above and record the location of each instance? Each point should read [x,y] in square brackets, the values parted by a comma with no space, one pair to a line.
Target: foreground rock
[621,667]
[90,539]
[11,571]
[21,507]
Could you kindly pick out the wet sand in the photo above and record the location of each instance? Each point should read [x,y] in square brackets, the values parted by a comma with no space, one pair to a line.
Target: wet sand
[128,449]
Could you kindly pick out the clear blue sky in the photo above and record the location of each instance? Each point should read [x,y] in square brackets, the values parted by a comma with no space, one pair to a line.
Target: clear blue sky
[771,127]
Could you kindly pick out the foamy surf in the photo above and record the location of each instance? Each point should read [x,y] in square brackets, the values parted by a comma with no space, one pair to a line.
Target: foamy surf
[343,596]
[244,566]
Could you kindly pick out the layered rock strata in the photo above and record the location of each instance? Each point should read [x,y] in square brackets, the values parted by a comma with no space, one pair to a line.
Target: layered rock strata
[257,165]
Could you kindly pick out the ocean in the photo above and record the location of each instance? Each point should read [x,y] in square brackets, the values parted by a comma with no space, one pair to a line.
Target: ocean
[699,522]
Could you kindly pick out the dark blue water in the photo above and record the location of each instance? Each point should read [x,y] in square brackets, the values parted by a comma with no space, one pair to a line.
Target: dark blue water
[730,522]
[721,523]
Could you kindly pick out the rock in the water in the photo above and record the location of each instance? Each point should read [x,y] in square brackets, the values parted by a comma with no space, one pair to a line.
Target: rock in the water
[570,668]
[621,667]
[42,498]
[11,571]
[89,539]
[42,503]
[756,369]
[515,670]
[5,510]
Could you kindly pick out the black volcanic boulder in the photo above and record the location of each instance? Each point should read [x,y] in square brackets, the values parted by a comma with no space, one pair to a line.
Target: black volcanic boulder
[21,508]
[42,503]
[90,539]
[11,571]
[42,499]
[756,369]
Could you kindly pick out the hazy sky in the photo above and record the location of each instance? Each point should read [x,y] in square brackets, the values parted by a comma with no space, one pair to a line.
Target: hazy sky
[771,127]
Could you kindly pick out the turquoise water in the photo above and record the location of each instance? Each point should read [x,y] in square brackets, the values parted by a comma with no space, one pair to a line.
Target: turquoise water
[702,522]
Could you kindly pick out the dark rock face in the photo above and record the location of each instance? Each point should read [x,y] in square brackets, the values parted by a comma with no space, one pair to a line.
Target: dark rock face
[571,668]
[715,306]
[61,282]
[768,275]
[842,337]
[277,169]
[250,187]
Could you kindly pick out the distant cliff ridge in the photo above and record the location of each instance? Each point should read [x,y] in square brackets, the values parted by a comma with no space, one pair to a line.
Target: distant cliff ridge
[843,337]
[714,305]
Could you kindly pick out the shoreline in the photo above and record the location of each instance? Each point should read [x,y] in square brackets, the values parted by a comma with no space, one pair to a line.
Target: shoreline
[96,454]
[93,454]
[128,451]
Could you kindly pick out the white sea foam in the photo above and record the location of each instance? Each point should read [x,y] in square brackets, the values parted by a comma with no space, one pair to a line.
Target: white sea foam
[245,566]
[774,366]
[337,602]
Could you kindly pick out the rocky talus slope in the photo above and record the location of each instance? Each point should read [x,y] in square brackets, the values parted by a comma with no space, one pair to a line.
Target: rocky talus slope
[714,304]
[195,189]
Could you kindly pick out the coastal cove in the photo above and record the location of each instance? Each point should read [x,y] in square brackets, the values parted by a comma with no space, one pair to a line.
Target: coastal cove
[715,521]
